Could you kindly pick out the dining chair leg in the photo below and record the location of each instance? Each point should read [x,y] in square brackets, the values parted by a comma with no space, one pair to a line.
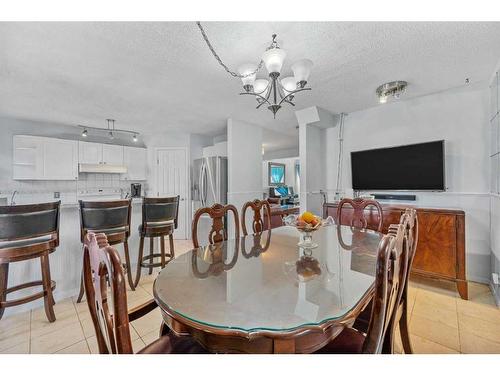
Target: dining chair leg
[403,329]
[82,290]
[139,262]
[171,243]
[129,268]
[4,278]
[151,250]
[162,246]
[48,299]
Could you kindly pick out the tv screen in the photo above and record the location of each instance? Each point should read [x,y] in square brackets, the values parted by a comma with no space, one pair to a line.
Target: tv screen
[412,167]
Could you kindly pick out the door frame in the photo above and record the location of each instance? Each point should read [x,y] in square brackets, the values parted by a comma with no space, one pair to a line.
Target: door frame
[156,162]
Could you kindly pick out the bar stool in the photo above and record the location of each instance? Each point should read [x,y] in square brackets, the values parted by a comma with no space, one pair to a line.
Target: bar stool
[111,218]
[159,219]
[28,232]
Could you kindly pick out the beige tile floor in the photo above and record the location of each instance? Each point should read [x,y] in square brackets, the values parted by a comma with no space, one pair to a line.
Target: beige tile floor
[440,322]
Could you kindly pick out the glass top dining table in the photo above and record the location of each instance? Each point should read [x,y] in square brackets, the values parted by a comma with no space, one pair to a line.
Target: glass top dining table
[267,283]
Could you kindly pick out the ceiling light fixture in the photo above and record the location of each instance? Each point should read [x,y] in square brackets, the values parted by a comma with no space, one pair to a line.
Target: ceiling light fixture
[110,130]
[392,89]
[275,91]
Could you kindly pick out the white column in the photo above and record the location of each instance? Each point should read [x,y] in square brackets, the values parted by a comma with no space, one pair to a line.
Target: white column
[244,151]
[313,122]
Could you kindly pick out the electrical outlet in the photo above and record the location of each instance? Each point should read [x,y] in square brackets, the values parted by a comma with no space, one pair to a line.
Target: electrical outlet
[494,276]
[57,194]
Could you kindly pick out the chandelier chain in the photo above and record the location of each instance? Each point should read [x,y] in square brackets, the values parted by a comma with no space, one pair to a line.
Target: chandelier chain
[219,60]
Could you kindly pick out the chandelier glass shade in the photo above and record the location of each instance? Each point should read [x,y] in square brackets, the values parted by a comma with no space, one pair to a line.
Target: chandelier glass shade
[275,91]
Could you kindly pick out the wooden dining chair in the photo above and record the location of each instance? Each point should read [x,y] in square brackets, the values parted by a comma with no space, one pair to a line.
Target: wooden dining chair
[103,272]
[218,230]
[159,220]
[111,218]
[28,232]
[409,221]
[357,219]
[259,208]
[390,273]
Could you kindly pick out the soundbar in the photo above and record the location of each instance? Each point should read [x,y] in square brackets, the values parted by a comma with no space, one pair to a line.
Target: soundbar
[396,197]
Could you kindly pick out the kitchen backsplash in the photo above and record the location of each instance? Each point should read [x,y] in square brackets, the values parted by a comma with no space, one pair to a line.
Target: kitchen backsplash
[39,191]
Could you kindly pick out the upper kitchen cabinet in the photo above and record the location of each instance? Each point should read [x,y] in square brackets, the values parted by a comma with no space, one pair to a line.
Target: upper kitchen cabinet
[89,153]
[40,158]
[135,159]
[98,153]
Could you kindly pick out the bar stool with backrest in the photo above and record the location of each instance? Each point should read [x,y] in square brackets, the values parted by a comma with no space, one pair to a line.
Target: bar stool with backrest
[159,219]
[358,217]
[111,218]
[28,232]
[218,230]
[389,279]
[103,272]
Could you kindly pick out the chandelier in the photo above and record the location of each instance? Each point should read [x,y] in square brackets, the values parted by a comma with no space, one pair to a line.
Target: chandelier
[274,91]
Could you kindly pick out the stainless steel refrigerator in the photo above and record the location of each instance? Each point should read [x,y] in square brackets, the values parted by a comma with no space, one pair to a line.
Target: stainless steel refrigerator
[208,186]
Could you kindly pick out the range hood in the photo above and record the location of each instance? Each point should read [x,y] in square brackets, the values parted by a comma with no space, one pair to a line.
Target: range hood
[101,168]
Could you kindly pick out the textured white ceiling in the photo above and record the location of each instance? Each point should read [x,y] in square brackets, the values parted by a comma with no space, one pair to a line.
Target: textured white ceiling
[161,76]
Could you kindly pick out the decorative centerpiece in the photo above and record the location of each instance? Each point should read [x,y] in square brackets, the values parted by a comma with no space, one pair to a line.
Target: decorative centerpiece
[307,224]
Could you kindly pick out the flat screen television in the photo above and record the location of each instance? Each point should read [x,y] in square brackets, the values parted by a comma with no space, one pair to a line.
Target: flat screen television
[411,167]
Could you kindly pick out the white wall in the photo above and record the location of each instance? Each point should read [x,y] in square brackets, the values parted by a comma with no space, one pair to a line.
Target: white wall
[244,150]
[494,116]
[460,118]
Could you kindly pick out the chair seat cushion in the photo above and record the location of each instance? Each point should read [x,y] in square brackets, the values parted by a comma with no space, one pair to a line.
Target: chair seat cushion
[349,341]
[108,231]
[158,224]
[171,344]
[27,242]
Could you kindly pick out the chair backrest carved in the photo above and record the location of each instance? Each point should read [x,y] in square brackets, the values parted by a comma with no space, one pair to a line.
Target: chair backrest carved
[260,208]
[105,216]
[218,231]
[389,279]
[359,205]
[106,295]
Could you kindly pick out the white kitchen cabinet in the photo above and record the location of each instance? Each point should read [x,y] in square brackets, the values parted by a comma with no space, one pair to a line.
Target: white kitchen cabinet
[112,154]
[41,158]
[60,159]
[135,159]
[99,153]
[89,153]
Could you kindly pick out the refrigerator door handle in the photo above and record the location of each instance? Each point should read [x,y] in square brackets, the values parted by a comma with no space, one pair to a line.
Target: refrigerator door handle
[201,184]
[211,179]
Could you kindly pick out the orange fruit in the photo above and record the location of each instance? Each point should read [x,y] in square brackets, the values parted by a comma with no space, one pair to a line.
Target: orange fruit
[308,217]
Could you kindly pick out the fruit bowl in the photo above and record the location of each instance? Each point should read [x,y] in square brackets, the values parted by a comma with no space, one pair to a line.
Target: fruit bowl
[307,224]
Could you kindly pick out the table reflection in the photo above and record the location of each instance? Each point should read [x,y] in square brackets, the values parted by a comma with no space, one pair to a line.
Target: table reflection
[214,259]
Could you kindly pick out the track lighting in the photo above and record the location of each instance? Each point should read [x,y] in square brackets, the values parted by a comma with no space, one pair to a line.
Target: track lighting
[110,130]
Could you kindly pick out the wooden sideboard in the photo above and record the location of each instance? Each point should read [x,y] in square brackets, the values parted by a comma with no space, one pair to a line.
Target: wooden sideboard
[278,213]
[441,239]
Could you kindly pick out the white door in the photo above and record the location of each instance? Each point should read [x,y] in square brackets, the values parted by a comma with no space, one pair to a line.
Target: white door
[112,154]
[89,153]
[171,177]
